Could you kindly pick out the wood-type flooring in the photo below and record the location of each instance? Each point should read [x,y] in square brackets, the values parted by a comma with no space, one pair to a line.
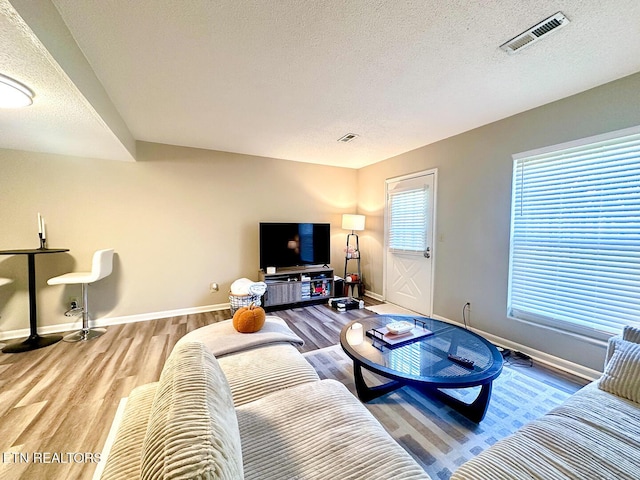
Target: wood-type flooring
[57,403]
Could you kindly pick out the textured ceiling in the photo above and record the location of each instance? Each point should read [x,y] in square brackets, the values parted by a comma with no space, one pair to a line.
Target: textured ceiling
[287,78]
[61,120]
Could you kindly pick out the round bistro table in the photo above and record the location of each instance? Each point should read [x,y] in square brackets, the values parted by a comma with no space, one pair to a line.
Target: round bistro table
[34,340]
[424,363]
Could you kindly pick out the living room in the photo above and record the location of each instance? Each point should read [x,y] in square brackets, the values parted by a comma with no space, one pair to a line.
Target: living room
[183,217]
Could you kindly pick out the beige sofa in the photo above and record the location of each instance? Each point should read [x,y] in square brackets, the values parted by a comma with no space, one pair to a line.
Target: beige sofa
[233,406]
[593,435]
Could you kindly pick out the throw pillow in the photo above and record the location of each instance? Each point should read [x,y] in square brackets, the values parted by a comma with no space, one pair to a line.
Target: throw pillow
[631,334]
[621,376]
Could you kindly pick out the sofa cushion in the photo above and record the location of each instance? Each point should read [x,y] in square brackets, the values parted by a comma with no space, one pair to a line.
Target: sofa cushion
[258,372]
[622,373]
[193,429]
[319,430]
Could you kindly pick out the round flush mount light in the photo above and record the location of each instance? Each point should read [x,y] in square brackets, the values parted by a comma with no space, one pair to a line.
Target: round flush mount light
[13,94]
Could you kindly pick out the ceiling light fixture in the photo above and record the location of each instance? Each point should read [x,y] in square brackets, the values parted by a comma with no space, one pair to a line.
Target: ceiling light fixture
[13,94]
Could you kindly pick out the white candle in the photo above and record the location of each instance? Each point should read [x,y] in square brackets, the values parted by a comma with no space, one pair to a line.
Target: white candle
[44,233]
[39,223]
[356,334]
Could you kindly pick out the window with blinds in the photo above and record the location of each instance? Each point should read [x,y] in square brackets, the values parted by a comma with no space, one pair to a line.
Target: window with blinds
[408,220]
[575,235]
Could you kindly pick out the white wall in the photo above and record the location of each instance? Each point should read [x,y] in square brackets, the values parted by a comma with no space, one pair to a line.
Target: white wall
[179,218]
[473,217]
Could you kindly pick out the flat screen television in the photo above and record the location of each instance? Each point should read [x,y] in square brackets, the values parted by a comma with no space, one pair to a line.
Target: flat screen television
[294,244]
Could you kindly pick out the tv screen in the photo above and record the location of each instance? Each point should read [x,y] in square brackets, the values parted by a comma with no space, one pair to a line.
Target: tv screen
[293,244]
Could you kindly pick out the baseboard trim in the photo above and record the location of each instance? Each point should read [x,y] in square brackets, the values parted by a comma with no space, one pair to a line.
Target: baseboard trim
[375,296]
[541,357]
[106,322]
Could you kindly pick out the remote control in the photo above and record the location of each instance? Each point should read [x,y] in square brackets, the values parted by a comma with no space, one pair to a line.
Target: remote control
[465,362]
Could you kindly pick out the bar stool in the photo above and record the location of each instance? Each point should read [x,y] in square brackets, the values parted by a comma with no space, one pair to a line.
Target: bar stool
[4,281]
[101,266]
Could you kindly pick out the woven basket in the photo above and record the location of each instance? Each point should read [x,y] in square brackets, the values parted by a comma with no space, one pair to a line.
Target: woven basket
[238,301]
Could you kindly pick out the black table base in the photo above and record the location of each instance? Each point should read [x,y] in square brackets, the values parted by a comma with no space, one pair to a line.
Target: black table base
[32,343]
[367,393]
[474,411]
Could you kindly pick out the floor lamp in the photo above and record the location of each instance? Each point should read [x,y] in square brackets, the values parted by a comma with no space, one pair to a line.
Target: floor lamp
[353,223]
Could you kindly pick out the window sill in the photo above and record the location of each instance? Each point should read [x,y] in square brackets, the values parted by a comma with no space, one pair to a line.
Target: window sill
[586,335]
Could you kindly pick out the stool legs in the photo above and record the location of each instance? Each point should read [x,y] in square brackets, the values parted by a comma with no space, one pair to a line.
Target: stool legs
[86,333]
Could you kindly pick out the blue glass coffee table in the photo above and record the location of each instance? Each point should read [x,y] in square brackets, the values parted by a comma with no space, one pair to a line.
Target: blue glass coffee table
[424,363]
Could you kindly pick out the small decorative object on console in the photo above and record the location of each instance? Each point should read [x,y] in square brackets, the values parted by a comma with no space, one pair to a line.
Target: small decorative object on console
[343,304]
[249,319]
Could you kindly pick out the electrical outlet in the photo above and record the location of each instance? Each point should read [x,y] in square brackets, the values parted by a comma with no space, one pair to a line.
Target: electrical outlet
[214,287]
[74,302]
[468,305]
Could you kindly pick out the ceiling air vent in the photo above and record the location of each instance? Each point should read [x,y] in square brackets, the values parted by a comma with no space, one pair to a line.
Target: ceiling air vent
[348,137]
[535,33]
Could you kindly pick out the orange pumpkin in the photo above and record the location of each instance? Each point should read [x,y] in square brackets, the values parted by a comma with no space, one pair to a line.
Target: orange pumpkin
[249,319]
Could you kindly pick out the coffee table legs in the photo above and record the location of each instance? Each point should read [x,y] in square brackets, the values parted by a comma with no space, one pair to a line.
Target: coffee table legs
[366,393]
[474,411]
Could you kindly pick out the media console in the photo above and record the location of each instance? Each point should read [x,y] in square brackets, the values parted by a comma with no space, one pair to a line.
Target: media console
[311,284]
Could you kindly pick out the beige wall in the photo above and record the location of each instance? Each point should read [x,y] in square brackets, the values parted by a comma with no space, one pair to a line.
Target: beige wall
[179,218]
[473,209]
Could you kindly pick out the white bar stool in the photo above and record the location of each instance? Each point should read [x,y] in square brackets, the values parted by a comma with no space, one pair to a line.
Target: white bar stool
[101,266]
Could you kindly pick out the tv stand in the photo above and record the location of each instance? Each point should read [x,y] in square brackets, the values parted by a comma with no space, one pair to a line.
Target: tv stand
[297,285]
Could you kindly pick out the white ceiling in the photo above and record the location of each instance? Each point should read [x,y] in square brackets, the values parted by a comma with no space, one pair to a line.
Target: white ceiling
[287,78]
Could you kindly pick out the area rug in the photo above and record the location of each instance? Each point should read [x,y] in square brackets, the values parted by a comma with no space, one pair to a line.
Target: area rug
[389,309]
[437,436]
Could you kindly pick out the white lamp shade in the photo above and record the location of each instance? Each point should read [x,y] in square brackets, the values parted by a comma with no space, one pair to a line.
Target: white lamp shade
[13,94]
[352,222]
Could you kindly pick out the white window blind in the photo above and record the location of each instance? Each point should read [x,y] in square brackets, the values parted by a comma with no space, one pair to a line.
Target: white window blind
[575,236]
[408,220]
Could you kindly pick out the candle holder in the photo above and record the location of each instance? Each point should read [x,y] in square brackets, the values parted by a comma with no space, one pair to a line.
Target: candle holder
[43,242]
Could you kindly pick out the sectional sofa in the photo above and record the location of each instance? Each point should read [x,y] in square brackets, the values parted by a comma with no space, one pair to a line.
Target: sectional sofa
[594,435]
[234,406]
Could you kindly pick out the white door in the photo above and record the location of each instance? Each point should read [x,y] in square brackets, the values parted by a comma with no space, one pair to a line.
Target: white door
[409,221]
